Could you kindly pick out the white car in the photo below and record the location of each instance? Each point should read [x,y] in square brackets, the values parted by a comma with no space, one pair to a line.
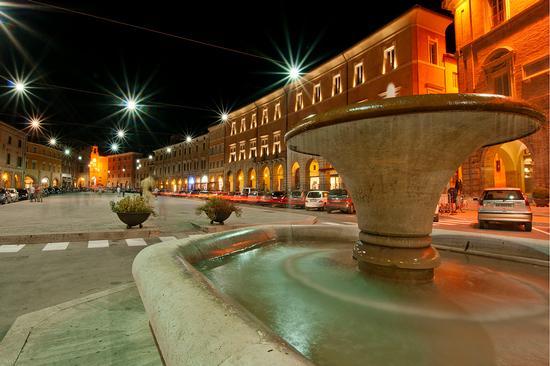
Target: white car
[13,195]
[316,200]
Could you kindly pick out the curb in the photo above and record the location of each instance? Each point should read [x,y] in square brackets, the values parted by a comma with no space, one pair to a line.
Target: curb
[16,338]
[492,246]
[79,236]
[310,220]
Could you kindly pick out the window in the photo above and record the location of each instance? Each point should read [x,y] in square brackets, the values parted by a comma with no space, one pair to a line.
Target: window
[432,48]
[502,84]
[253,122]
[34,164]
[455,79]
[336,85]
[243,125]
[242,150]
[19,161]
[277,111]
[265,117]
[299,102]
[358,76]
[390,62]
[232,153]
[498,11]
[233,128]
[253,152]
[8,158]
[316,93]
[535,68]
[276,142]
[18,143]
[9,140]
[264,147]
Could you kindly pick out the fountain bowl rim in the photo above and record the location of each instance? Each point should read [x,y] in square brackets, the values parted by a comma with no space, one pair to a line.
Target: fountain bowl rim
[413,104]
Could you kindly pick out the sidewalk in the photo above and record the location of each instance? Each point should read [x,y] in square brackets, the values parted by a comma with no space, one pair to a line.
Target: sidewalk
[106,328]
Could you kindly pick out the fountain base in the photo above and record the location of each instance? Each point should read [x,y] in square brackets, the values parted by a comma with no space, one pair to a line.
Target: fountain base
[397,263]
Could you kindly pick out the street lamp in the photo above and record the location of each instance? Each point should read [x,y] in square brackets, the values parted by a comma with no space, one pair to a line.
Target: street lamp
[67,151]
[121,134]
[150,157]
[114,147]
[53,141]
[293,73]
[130,104]
[225,117]
[79,157]
[188,139]
[19,86]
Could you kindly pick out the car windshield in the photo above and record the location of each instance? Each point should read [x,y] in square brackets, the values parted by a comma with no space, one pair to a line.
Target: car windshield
[338,193]
[314,194]
[501,195]
[296,194]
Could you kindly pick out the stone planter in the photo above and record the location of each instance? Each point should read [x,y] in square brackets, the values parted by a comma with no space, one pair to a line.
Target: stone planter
[133,219]
[218,217]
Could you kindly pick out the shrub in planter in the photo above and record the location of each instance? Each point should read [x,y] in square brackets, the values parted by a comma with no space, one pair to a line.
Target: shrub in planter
[218,210]
[541,196]
[132,210]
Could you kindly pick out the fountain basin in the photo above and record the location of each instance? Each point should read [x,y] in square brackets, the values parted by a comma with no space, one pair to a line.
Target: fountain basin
[396,155]
[300,276]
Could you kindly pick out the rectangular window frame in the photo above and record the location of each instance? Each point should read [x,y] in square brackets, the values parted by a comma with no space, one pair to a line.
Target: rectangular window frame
[253,152]
[299,104]
[433,57]
[317,93]
[264,145]
[277,113]
[358,74]
[265,116]
[336,84]
[390,59]
[243,125]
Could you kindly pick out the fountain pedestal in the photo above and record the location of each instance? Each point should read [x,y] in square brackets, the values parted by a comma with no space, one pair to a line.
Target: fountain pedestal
[396,156]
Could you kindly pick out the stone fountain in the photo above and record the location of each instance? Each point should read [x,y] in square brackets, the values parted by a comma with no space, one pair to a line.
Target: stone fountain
[292,295]
[396,155]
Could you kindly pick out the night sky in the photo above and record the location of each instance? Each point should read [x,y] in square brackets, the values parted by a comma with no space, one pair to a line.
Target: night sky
[185,82]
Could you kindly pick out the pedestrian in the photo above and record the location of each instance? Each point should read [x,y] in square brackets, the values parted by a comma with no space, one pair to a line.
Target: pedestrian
[451,194]
[459,196]
[118,191]
[38,194]
[31,193]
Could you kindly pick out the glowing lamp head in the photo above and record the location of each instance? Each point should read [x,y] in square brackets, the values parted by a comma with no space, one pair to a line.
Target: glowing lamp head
[225,117]
[150,157]
[67,152]
[52,141]
[114,147]
[293,73]
[120,133]
[79,157]
[130,104]
[188,139]
[19,86]
[169,150]
[35,123]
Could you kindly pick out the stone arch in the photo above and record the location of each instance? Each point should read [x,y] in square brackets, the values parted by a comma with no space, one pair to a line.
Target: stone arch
[278,177]
[220,183]
[252,178]
[230,182]
[240,180]
[45,182]
[312,175]
[295,176]
[55,182]
[30,180]
[204,182]
[508,165]
[266,179]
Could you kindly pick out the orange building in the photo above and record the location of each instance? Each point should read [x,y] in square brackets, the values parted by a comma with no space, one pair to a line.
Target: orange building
[405,57]
[112,170]
[502,48]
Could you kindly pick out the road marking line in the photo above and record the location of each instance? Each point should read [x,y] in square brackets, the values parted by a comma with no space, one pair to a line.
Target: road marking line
[11,248]
[138,242]
[56,246]
[542,231]
[98,244]
[167,238]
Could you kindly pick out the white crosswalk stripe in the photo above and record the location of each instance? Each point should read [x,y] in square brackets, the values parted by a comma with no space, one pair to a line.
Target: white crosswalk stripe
[11,248]
[167,238]
[333,223]
[56,246]
[138,242]
[98,244]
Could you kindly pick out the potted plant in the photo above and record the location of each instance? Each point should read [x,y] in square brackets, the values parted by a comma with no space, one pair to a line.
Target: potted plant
[218,210]
[132,210]
[541,196]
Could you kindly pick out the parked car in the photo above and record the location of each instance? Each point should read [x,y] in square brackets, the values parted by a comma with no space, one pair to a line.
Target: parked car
[339,199]
[13,195]
[279,199]
[316,200]
[23,194]
[504,205]
[3,196]
[297,199]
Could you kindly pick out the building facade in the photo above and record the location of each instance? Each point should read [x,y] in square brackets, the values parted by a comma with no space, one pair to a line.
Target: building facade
[502,48]
[216,157]
[406,57]
[43,165]
[110,171]
[12,156]
[183,166]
